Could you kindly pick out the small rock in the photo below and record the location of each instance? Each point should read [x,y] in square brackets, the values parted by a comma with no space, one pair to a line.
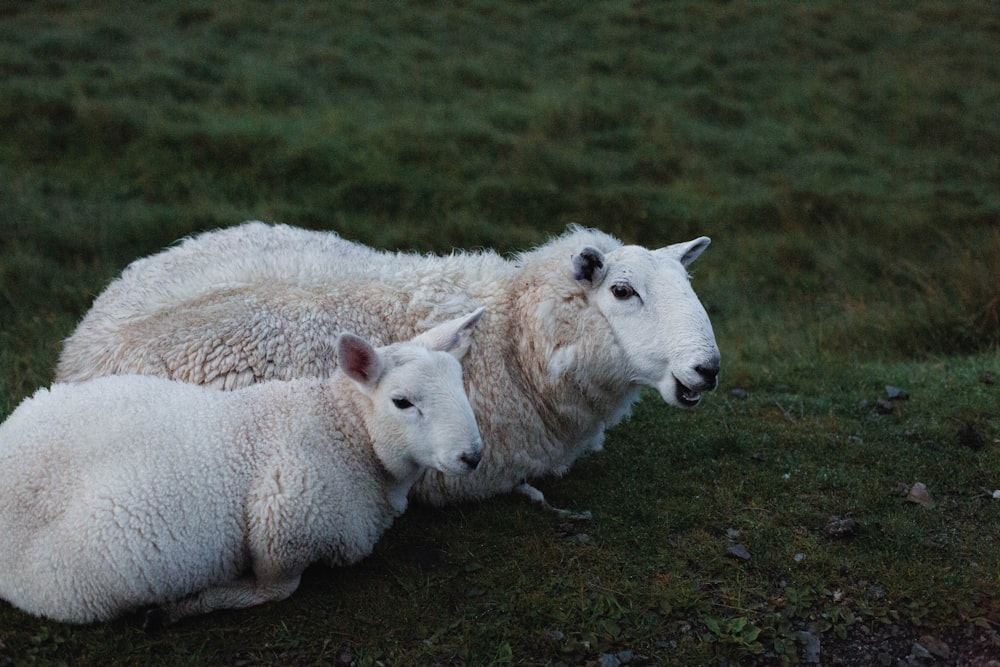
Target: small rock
[840,527]
[609,660]
[738,551]
[739,393]
[883,407]
[919,651]
[896,393]
[996,495]
[554,636]
[625,657]
[732,533]
[920,495]
[799,557]
[936,646]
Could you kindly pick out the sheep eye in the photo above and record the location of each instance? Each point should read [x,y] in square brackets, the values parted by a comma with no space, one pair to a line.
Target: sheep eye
[622,291]
[402,403]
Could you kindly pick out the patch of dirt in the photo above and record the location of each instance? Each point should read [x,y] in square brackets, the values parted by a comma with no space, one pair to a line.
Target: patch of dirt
[898,647]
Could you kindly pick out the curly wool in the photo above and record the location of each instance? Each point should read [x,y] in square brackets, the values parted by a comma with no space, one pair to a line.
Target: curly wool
[546,373]
[126,491]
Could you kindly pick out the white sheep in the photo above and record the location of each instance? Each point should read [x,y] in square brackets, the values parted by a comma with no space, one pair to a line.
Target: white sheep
[575,328]
[128,491]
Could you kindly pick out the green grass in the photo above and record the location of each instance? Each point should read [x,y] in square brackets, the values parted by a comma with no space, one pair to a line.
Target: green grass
[842,158]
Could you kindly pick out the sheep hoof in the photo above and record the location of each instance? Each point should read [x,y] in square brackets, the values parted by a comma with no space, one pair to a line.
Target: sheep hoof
[155,618]
[539,497]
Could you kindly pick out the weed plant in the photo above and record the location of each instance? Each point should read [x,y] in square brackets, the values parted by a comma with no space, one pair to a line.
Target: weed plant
[842,157]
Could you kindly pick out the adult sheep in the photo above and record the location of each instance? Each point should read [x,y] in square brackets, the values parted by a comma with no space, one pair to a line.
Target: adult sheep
[574,329]
[128,491]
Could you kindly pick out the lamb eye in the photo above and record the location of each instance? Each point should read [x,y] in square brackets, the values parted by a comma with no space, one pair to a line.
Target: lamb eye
[622,291]
[402,403]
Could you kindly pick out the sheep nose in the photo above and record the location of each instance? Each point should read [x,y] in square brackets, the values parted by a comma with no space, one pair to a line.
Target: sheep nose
[471,460]
[709,372]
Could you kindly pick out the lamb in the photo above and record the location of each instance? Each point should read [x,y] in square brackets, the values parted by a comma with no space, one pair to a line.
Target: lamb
[128,491]
[575,328]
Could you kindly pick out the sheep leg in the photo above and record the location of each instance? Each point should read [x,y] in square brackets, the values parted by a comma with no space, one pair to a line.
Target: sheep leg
[239,594]
[539,497]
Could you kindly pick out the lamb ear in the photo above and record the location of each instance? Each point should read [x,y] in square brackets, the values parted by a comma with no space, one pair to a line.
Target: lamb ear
[453,336]
[589,265]
[687,252]
[358,360]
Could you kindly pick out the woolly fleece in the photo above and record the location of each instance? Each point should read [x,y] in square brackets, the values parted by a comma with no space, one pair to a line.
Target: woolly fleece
[546,374]
[127,491]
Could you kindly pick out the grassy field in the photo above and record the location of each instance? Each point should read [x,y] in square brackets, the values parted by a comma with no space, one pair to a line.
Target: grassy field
[845,159]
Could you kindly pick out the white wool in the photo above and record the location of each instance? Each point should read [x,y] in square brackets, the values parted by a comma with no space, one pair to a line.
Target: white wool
[127,491]
[558,359]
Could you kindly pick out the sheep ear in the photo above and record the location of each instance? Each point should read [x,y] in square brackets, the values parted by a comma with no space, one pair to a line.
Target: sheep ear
[358,360]
[685,253]
[453,336]
[589,265]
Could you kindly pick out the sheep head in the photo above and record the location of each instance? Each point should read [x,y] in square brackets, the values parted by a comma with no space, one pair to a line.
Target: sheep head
[657,319]
[420,414]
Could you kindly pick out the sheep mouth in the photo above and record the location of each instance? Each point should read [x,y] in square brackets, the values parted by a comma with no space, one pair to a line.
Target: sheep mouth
[686,396]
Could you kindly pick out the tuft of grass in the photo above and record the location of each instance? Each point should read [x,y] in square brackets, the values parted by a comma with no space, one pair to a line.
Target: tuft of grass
[960,299]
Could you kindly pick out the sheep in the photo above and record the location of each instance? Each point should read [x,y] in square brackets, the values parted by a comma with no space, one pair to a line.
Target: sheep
[575,328]
[125,492]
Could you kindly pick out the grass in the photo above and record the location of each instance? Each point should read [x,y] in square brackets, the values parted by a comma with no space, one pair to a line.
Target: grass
[844,162]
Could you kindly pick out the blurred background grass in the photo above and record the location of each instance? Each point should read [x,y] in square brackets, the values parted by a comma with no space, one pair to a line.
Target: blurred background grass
[845,158]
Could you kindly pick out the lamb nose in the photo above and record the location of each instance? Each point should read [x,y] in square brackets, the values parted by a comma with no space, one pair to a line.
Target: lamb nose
[471,460]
